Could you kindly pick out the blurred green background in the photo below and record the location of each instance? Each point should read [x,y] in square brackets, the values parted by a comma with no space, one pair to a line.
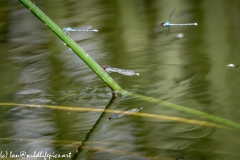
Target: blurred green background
[37,68]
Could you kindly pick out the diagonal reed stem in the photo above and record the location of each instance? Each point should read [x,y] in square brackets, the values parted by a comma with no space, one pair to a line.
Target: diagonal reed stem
[106,78]
[71,44]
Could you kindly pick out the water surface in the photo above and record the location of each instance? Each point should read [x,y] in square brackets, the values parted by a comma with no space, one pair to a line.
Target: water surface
[37,68]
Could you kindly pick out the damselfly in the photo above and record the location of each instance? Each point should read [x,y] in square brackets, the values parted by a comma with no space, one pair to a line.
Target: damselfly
[109,69]
[87,28]
[168,24]
[118,115]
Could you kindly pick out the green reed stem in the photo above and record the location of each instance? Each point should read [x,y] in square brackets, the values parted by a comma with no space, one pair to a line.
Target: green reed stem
[71,44]
[185,109]
[105,77]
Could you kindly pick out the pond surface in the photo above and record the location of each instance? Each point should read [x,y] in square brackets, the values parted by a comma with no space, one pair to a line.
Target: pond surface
[188,67]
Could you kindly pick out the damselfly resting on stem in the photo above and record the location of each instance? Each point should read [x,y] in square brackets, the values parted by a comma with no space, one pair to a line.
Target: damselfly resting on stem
[87,28]
[168,24]
[118,115]
[109,69]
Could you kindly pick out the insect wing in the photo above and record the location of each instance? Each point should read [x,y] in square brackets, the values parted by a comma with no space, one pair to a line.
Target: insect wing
[168,31]
[171,14]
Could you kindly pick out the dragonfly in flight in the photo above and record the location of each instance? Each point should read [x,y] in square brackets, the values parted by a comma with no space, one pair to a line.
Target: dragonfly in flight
[168,24]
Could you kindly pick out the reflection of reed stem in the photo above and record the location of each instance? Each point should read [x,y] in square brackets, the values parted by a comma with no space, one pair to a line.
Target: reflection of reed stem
[83,149]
